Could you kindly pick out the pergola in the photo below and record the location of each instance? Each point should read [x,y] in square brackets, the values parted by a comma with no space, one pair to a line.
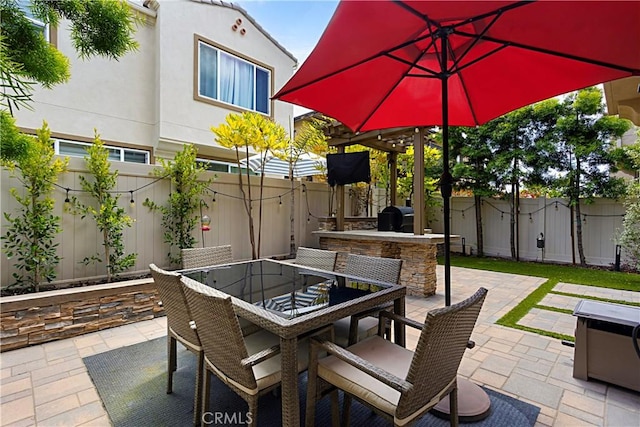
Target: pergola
[391,141]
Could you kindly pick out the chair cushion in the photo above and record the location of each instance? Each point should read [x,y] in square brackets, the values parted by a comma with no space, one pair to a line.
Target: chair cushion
[267,373]
[380,352]
[367,327]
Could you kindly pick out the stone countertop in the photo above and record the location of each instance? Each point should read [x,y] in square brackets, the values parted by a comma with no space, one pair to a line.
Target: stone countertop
[385,236]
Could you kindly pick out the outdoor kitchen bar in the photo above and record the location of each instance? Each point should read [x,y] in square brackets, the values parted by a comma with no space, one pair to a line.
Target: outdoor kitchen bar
[418,253]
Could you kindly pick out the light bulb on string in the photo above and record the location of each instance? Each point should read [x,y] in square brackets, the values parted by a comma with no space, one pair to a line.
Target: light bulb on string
[132,202]
[214,197]
[280,202]
[67,202]
[530,219]
[556,205]
[501,216]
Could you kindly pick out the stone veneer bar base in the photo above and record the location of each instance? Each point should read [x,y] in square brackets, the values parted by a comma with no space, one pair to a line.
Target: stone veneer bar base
[417,252]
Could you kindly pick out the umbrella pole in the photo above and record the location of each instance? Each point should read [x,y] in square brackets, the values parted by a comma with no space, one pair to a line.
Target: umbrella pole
[446,180]
[473,401]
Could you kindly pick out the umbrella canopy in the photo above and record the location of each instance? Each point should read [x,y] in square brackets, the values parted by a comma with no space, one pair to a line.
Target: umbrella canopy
[424,63]
[306,165]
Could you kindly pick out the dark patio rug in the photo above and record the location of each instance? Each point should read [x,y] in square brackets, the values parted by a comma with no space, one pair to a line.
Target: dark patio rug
[131,382]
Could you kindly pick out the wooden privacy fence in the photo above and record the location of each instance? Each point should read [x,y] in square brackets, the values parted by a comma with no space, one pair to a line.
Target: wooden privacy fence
[229,223]
[601,222]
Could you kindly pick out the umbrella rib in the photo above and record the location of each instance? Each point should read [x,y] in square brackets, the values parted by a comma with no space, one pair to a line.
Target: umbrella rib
[554,53]
[354,65]
[413,65]
[407,73]
[475,41]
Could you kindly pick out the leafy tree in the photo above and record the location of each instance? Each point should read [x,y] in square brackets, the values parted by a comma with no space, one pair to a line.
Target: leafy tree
[248,133]
[517,139]
[474,172]
[14,143]
[309,139]
[432,172]
[98,28]
[30,235]
[583,160]
[110,218]
[179,216]
[630,236]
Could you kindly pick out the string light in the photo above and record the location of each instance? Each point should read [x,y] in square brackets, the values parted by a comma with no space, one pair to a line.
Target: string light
[501,216]
[530,219]
[462,214]
[66,200]
[584,218]
[214,196]
[132,202]
[556,205]
[304,188]
[379,136]
[280,202]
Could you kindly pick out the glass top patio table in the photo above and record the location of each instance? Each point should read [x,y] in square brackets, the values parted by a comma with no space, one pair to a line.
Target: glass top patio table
[285,289]
[293,300]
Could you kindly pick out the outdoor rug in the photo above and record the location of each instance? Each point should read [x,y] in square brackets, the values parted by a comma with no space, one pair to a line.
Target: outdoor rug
[131,382]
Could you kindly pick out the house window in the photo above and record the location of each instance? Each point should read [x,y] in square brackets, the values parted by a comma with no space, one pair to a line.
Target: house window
[215,166]
[227,78]
[118,154]
[25,6]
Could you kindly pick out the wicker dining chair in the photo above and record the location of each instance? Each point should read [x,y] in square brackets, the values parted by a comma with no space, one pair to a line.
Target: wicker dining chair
[179,328]
[316,258]
[249,365]
[202,257]
[350,330]
[397,383]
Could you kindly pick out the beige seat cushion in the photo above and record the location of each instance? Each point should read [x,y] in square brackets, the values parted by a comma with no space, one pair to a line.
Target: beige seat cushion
[268,372]
[381,353]
[367,327]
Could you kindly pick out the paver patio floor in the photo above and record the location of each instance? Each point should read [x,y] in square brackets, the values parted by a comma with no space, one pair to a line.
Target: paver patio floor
[48,385]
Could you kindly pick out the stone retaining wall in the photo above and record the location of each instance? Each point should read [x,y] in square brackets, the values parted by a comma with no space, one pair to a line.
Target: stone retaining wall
[48,316]
[418,272]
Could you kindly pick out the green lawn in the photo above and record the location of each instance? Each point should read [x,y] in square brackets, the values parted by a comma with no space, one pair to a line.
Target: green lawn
[554,273]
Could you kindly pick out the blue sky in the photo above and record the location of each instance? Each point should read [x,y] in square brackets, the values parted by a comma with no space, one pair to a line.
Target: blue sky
[296,25]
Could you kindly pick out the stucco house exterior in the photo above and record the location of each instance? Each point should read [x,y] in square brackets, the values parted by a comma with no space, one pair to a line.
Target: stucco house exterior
[198,61]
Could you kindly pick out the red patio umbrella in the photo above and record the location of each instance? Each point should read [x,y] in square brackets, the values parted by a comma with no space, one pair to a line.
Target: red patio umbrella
[385,64]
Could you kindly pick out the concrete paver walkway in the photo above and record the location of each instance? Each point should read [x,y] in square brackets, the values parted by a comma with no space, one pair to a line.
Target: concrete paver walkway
[48,385]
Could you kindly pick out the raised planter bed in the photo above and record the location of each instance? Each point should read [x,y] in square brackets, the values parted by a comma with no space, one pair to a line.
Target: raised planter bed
[48,316]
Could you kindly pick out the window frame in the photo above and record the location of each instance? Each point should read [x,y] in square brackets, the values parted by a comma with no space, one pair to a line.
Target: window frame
[47,30]
[198,41]
[122,150]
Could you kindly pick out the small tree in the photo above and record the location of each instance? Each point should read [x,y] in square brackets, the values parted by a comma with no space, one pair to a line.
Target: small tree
[30,235]
[310,138]
[110,218]
[179,217]
[584,159]
[246,133]
[630,236]
[432,172]
[475,172]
